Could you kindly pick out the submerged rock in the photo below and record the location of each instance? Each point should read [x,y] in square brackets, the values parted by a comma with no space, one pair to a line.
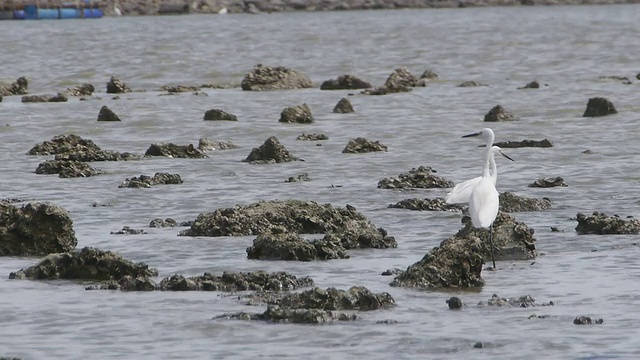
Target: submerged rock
[276,314]
[522,301]
[303,217]
[146,181]
[168,222]
[400,80]
[454,303]
[471,83]
[205,144]
[217,114]
[67,168]
[601,224]
[74,148]
[356,298]
[126,283]
[116,86]
[437,204]
[80,90]
[175,151]
[599,106]
[35,229]
[179,88]
[60,97]
[532,85]
[230,281]
[498,113]
[270,152]
[300,178]
[343,107]
[263,78]
[345,82]
[86,264]
[18,87]
[510,202]
[106,114]
[524,143]
[549,182]
[300,114]
[128,231]
[420,178]
[361,145]
[586,320]
[280,245]
[312,137]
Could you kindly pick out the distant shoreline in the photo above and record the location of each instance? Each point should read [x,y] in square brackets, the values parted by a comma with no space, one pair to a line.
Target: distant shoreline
[168,7]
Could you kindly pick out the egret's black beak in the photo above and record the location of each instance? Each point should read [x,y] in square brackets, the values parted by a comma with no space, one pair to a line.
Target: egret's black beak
[507,156]
[474,134]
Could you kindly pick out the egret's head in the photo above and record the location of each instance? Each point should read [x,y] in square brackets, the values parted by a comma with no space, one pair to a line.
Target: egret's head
[498,150]
[485,133]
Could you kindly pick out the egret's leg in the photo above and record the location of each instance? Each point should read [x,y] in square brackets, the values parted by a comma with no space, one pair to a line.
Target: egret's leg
[493,256]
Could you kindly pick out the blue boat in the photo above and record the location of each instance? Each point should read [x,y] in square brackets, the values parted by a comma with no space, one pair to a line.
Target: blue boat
[50,10]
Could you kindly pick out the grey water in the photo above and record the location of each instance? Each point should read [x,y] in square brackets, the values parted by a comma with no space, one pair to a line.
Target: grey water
[566,49]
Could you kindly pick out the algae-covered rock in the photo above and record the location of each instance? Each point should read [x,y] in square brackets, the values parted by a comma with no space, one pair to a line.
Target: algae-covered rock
[272,151]
[276,314]
[175,151]
[421,178]
[521,301]
[231,281]
[280,245]
[510,202]
[146,181]
[599,106]
[498,113]
[300,114]
[549,182]
[345,82]
[600,224]
[437,204]
[343,106]
[361,145]
[263,78]
[67,168]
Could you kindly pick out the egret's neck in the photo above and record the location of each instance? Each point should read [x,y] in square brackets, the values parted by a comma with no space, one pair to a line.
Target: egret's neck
[494,168]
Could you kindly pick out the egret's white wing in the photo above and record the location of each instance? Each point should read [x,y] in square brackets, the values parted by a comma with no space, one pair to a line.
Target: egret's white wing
[460,193]
[483,203]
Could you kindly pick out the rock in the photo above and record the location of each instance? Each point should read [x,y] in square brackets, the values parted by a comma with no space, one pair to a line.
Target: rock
[175,151]
[343,107]
[217,114]
[400,80]
[128,231]
[389,272]
[498,113]
[126,283]
[549,182]
[599,106]
[145,181]
[205,144]
[168,222]
[179,88]
[107,114]
[420,178]
[60,97]
[454,303]
[429,75]
[116,86]
[35,229]
[230,281]
[73,147]
[80,90]
[601,224]
[361,145]
[478,344]
[356,298]
[85,264]
[263,78]
[300,177]
[67,168]
[18,87]
[0,98]
[585,320]
[302,217]
[300,114]
[281,245]
[312,137]
[437,204]
[275,314]
[524,143]
[471,83]
[386,90]
[531,85]
[270,152]
[522,301]
[510,202]
[345,82]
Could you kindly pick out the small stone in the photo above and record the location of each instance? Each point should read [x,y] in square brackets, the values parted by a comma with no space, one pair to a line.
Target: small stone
[107,114]
[312,137]
[478,345]
[116,86]
[599,106]
[361,145]
[472,83]
[300,114]
[217,114]
[531,85]
[343,107]
[454,303]
[498,113]
[549,182]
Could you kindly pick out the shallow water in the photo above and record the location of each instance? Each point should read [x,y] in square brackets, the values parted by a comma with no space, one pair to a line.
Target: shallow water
[564,48]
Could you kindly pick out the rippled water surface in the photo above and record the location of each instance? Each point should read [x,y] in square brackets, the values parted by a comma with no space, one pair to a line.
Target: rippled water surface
[566,49]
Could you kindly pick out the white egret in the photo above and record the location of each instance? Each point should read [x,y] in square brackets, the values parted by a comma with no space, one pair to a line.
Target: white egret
[484,200]
[461,192]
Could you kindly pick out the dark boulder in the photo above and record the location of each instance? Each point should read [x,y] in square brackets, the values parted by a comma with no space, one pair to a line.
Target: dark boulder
[498,113]
[280,245]
[80,90]
[85,264]
[510,202]
[116,86]
[145,181]
[270,152]
[175,151]
[586,320]
[454,303]
[549,182]
[400,80]
[601,224]
[60,97]
[168,222]
[524,301]
[524,143]
[599,106]
[263,78]
[345,82]
[437,204]
[312,137]
[205,144]
[106,114]
[426,76]
[361,145]
[18,87]
[356,298]
[531,85]
[276,314]
[230,281]
[217,114]
[35,229]
[67,168]
[421,178]
[300,114]
[343,107]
